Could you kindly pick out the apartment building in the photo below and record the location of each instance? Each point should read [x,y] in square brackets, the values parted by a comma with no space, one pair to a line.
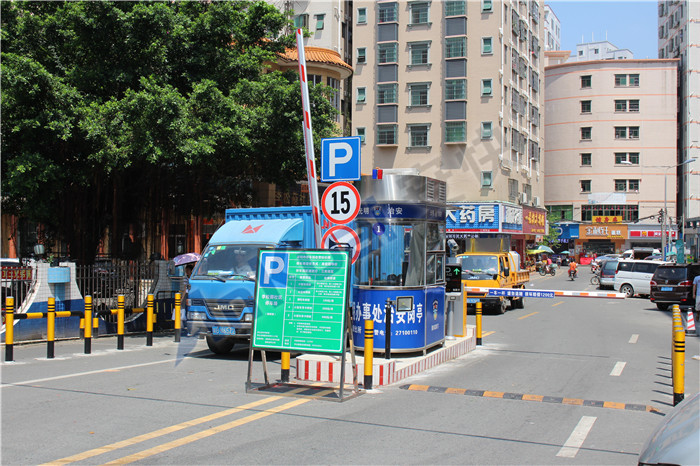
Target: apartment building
[611,130]
[601,50]
[552,30]
[679,37]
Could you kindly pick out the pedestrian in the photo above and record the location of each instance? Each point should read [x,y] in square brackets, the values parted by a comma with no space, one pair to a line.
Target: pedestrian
[696,292]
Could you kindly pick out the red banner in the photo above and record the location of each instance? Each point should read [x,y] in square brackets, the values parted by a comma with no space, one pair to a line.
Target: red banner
[534,221]
[16,273]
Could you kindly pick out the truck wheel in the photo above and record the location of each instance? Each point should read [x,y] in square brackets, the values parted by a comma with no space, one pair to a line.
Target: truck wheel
[520,303]
[222,346]
[502,307]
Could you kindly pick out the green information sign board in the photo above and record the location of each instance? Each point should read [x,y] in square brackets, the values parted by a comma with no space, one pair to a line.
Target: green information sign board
[301,300]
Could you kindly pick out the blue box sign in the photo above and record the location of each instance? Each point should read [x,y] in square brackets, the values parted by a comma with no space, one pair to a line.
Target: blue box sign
[340,159]
[473,217]
[59,275]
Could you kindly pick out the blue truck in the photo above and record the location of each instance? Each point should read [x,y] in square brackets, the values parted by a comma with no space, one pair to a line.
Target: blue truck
[221,290]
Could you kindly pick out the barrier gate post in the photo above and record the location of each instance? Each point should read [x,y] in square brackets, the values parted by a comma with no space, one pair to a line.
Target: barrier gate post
[178,318]
[9,328]
[369,352]
[678,359]
[149,321]
[120,322]
[50,327]
[478,322]
[87,319]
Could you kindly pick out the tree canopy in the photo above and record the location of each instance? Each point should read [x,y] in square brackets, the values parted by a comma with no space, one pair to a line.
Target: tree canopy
[115,111]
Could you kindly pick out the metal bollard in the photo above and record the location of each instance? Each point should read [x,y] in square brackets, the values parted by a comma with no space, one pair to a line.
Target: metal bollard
[120,322]
[387,336]
[178,318]
[286,356]
[448,320]
[678,365]
[149,321]
[478,323]
[9,328]
[369,353]
[87,324]
[50,328]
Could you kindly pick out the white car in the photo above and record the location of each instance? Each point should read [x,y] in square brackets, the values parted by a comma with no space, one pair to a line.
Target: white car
[632,277]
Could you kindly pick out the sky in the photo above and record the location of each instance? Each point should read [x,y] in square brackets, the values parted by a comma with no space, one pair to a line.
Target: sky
[631,24]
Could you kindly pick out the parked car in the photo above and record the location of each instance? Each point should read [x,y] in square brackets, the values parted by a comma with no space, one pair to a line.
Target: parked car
[607,273]
[673,284]
[675,440]
[632,277]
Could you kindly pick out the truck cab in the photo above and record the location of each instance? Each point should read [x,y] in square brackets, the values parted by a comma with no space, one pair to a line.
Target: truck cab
[221,292]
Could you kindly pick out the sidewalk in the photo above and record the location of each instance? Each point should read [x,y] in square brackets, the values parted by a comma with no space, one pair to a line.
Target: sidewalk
[325,368]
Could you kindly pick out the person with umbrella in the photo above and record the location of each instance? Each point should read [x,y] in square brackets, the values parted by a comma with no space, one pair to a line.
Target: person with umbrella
[187,260]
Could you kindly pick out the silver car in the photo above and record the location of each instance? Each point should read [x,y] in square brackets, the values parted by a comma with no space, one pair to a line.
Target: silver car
[607,273]
[675,441]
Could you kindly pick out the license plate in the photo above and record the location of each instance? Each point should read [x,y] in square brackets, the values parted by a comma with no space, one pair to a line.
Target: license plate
[223,330]
[666,288]
[472,300]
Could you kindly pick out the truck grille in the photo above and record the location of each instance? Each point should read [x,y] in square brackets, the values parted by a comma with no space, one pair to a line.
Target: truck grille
[231,308]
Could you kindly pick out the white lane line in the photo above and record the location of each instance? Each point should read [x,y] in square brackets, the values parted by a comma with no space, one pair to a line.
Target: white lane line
[634,338]
[577,437]
[79,374]
[617,370]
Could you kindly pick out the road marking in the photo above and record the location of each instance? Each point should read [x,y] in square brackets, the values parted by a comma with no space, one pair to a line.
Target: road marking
[556,304]
[79,374]
[530,397]
[634,338]
[528,315]
[208,432]
[617,370]
[160,432]
[488,333]
[577,437]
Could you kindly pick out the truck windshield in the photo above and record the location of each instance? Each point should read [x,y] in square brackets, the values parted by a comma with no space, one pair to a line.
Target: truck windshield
[228,261]
[479,266]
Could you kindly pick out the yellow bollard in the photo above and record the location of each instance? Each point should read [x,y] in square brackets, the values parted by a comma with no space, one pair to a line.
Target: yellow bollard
[177,318]
[9,328]
[369,353]
[149,321]
[678,365]
[285,366]
[120,322]
[478,322]
[50,328]
[88,327]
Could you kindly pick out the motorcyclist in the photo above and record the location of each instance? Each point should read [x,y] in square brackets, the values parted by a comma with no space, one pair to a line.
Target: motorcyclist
[573,268]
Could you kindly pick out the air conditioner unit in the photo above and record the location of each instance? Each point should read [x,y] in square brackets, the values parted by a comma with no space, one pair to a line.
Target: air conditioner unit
[523,198]
[536,201]
[500,32]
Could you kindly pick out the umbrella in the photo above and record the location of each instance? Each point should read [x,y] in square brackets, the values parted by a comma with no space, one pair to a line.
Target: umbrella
[543,248]
[186,258]
[566,253]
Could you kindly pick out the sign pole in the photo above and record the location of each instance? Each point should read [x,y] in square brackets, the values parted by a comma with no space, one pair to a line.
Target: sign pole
[308,139]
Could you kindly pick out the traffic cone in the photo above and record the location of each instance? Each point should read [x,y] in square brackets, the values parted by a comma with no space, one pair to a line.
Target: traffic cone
[690,328]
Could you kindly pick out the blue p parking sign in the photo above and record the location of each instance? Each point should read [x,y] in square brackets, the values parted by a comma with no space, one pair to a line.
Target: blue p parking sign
[340,159]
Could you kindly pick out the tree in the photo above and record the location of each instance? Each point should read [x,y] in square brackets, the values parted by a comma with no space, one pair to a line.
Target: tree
[116,111]
[551,239]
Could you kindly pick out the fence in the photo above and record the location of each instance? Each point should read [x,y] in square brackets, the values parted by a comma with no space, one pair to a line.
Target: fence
[16,281]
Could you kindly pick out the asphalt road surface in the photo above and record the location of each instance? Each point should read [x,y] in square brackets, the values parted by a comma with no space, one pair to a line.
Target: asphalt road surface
[562,381]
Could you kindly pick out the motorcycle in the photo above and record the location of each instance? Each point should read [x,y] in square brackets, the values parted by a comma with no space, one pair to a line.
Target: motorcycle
[572,274]
[548,269]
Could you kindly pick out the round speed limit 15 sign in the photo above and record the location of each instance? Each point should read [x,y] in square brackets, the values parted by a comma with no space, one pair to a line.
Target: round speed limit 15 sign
[340,202]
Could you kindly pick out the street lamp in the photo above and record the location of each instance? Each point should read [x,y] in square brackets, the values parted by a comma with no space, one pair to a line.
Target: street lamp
[665,212]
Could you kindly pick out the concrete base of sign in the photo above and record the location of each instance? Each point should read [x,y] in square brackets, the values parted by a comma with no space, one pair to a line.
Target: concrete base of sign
[326,368]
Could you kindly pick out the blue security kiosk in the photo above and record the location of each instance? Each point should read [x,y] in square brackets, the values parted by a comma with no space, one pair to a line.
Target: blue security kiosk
[401,225]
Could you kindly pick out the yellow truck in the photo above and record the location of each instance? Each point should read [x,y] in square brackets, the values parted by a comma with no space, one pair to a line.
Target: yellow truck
[487,263]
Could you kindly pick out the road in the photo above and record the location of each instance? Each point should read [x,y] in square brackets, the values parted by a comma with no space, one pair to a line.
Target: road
[530,395]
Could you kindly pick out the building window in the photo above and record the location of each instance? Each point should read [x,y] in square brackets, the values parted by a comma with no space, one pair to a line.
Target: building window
[624,212]
[634,105]
[486,46]
[419,13]
[386,134]
[627,158]
[620,105]
[486,179]
[314,79]
[486,130]
[418,135]
[586,133]
[455,8]
[627,186]
[625,132]
[562,212]
[586,82]
[419,94]
[301,21]
[620,132]
[620,185]
[512,189]
[455,47]
[486,89]
[455,131]
[634,132]
[627,105]
[627,80]
[419,53]
[633,185]
[585,186]
[455,89]
[361,134]
[386,93]
[387,12]
[387,52]
[486,5]
[361,95]
[585,106]
[586,159]
[319,21]
[362,16]
[361,55]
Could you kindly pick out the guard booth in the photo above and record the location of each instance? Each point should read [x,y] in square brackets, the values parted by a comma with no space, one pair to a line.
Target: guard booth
[401,226]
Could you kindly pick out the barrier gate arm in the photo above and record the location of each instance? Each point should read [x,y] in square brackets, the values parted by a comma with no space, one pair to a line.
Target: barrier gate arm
[533,293]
